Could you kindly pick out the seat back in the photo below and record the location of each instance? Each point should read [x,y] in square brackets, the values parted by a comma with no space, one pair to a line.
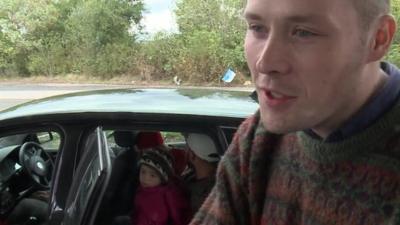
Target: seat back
[180,160]
[118,197]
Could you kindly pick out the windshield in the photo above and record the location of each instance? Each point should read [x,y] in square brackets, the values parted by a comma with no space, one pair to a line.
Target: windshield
[12,140]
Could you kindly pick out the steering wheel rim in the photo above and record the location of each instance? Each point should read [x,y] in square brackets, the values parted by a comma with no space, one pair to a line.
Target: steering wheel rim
[37,163]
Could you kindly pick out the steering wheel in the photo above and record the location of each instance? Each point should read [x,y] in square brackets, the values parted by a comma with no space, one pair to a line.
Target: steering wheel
[37,163]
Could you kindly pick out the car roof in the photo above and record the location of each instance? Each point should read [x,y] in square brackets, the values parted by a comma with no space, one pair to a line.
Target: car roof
[206,102]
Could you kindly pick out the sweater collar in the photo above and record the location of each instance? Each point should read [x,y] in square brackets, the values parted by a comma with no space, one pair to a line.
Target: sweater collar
[370,140]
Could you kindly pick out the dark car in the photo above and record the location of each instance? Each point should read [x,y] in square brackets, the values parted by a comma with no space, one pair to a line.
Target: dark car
[76,146]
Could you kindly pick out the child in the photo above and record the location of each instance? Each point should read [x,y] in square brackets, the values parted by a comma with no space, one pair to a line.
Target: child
[158,201]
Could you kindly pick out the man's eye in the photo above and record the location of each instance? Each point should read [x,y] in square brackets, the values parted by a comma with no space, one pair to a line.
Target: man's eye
[255,28]
[303,33]
[257,31]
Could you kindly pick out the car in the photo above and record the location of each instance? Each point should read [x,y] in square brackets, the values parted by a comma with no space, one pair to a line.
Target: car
[67,145]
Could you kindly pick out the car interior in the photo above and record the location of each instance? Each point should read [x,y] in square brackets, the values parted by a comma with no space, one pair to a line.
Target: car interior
[124,178]
[26,166]
[27,161]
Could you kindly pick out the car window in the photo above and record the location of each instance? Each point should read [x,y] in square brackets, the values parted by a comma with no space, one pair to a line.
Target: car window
[110,138]
[173,139]
[170,138]
[11,140]
[229,133]
[49,140]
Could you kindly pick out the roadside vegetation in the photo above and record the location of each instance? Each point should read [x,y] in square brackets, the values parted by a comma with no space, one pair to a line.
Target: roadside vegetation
[103,40]
[394,54]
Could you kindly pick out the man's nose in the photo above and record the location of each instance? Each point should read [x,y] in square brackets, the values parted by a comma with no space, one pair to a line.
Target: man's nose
[273,57]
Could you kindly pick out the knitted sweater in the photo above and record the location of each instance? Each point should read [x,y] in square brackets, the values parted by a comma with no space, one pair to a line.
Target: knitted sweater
[294,179]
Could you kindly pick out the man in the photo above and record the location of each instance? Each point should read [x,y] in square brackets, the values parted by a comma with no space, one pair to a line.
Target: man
[203,157]
[324,147]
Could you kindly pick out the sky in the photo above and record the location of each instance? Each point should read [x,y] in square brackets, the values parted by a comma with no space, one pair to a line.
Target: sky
[159,16]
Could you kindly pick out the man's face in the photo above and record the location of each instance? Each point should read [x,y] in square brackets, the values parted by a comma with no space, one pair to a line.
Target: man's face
[306,59]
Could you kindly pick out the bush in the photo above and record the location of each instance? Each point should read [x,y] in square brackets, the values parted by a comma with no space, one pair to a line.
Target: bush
[394,55]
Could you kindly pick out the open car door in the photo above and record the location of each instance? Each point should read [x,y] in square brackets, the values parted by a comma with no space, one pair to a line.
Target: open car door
[89,182]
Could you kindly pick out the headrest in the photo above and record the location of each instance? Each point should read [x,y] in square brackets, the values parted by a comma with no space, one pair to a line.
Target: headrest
[149,139]
[125,138]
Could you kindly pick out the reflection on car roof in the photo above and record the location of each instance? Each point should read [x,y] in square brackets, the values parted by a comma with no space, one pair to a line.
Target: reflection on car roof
[169,101]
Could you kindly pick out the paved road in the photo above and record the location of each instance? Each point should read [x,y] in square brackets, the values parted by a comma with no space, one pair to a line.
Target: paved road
[13,94]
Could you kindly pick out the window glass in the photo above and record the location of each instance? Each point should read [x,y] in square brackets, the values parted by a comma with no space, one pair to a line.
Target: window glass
[110,138]
[12,140]
[49,140]
[229,133]
[171,138]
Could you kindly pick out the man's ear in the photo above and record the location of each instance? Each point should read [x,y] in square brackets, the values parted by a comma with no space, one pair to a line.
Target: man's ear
[383,37]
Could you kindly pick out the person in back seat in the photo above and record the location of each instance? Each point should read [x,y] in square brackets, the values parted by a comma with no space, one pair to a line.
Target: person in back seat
[137,143]
[158,201]
[203,158]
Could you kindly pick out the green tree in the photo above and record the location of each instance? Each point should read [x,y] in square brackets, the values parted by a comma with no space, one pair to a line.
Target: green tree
[396,12]
[212,34]
[52,36]
[106,27]
[32,29]
[14,26]
[394,53]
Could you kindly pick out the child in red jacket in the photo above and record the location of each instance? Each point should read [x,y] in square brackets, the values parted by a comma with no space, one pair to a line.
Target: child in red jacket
[158,201]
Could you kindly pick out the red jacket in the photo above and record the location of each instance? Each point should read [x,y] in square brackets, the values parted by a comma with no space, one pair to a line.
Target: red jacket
[161,205]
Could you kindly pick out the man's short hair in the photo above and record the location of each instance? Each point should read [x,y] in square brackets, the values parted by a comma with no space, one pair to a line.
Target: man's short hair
[369,10]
